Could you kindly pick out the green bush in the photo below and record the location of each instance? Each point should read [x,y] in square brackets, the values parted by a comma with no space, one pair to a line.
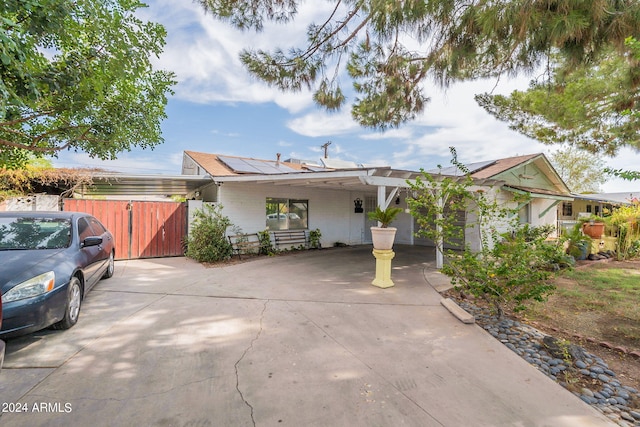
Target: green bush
[511,271]
[511,266]
[207,241]
[266,247]
[314,239]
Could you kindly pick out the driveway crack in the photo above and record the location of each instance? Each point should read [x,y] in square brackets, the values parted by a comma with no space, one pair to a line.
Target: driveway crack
[264,308]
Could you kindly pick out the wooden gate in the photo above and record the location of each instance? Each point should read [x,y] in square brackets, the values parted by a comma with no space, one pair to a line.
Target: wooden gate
[141,229]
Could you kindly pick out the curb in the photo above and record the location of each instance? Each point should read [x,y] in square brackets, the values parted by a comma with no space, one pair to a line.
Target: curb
[457,311]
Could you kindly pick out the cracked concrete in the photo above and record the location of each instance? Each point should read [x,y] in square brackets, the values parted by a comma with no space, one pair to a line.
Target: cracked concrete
[167,342]
[244,353]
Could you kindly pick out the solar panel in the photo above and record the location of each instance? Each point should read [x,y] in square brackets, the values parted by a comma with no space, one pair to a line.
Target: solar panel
[255,166]
[237,165]
[454,171]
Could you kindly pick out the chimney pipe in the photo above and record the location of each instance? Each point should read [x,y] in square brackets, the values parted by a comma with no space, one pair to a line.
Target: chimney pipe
[278,158]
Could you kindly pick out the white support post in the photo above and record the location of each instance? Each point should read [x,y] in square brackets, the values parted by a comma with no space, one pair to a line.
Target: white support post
[440,242]
[382,192]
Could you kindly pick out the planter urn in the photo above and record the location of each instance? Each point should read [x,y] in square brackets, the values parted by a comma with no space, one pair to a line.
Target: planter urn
[383,237]
[595,230]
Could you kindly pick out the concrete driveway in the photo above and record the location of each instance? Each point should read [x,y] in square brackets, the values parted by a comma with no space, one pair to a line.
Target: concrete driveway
[297,340]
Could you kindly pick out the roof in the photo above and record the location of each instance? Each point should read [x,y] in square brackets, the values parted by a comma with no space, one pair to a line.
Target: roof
[222,165]
[486,169]
[621,198]
[499,169]
[107,184]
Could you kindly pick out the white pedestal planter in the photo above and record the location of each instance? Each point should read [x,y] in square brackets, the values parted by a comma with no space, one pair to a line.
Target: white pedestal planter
[383,237]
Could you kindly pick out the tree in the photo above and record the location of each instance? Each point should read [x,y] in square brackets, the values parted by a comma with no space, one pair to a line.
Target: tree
[77,75]
[376,41]
[581,171]
[594,107]
[514,261]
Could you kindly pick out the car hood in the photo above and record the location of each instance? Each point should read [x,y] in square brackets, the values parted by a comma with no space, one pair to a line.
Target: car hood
[21,265]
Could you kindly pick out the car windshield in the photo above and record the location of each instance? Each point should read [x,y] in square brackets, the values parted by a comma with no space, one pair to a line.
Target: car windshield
[21,233]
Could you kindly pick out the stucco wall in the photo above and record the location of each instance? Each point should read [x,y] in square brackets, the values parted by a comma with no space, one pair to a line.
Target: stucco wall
[37,202]
[331,211]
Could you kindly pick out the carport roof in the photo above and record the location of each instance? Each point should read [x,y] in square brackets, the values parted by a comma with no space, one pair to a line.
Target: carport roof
[351,179]
[109,184]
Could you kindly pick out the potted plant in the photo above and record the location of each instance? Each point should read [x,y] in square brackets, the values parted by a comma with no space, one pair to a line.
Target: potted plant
[578,244]
[383,235]
[593,226]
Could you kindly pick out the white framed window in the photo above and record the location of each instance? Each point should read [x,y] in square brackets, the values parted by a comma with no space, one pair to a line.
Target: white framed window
[287,214]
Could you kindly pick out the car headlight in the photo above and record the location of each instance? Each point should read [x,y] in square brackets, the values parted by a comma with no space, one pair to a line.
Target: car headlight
[31,288]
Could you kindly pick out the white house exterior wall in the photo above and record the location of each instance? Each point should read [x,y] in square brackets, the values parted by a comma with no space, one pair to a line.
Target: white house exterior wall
[331,211]
[550,217]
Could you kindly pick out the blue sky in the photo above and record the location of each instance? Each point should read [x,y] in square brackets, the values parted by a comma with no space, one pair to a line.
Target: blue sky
[219,108]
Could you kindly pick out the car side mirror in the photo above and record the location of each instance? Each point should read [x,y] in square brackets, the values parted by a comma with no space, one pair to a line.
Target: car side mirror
[92,241]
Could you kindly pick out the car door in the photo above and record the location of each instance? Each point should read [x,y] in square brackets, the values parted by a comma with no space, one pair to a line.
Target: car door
[91,257]
[105,247]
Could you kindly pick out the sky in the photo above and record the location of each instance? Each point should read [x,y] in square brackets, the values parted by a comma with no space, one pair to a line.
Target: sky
[219,108]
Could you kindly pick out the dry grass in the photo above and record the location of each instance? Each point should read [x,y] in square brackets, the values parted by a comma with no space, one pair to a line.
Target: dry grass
[599,302]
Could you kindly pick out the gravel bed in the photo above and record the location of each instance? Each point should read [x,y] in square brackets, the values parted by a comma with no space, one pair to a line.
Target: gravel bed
[564,362]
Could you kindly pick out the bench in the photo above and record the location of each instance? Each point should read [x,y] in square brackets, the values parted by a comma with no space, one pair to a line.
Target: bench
[290,238]
[245,244]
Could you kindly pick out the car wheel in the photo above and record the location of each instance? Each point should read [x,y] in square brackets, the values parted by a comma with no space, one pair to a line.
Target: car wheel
[74,301]
[110,267]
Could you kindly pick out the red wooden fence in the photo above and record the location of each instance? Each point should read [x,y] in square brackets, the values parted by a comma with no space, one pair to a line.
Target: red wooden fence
[141,229]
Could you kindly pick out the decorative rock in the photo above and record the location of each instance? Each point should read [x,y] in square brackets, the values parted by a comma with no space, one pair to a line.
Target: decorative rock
[626,416]
[549,356]
[610,372]
[623,394]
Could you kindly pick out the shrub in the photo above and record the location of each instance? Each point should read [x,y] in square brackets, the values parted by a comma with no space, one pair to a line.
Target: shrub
[627,219]
[511,271]
[266,247]
[208,241]
[314,239]
[513,262]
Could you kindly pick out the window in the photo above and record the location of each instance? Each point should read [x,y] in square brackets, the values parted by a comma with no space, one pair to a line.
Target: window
[597,210]
[567,209]
[588,208]
[84,229]
[287,214]
[524,214]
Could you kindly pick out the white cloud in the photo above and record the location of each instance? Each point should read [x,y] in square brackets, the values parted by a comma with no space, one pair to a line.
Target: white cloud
[319,123]
[204,54]
[405,132]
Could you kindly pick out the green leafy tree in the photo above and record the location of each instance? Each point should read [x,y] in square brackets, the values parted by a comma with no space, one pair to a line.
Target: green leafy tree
[77,75]
[513,263]
[594,106]
[390,48]
[580,170]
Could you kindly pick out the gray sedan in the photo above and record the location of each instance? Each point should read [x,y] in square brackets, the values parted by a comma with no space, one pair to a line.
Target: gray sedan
[48,263]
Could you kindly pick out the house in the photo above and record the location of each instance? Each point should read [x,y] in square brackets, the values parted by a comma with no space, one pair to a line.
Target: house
[258,194]
[331,195]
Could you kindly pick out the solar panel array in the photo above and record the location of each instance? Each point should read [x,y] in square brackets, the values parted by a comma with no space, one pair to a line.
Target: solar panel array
[454,171]
[255,166]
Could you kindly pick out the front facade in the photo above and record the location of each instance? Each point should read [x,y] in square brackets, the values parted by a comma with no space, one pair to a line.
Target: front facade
[291,195]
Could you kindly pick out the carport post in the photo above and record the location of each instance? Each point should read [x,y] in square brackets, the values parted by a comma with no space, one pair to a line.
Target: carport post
[440,240]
